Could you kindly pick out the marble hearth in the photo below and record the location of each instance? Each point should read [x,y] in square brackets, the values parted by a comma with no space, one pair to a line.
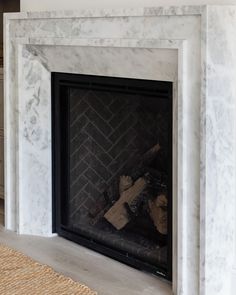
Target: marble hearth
[193,47]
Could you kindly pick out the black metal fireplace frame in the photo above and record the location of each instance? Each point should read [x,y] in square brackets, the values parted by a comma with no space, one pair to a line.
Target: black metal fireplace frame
[60,84]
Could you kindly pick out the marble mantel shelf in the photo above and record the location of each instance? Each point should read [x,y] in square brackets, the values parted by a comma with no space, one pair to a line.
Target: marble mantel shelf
[192,46]
[109,12]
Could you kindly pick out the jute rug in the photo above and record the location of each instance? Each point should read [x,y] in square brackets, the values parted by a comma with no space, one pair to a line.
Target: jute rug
[20,275]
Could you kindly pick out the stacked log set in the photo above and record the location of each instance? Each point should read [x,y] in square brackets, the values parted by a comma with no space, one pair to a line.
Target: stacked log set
[144,188]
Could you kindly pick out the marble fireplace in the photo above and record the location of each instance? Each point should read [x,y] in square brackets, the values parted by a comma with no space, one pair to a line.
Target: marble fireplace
[191,46]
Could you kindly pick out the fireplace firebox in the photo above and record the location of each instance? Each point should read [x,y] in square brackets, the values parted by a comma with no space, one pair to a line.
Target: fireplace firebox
[112,167]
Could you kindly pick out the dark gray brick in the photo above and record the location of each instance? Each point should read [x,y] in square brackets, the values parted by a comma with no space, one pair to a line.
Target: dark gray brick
[95,164]
[94,133]
[78,170]
[102,125]
[78,185]
[99,152]
[77,110]
[78,126]
[77,155]
[96,104]
[125,124]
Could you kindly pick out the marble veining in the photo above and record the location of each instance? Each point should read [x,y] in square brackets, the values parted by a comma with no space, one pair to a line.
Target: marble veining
[192,46]
[218,151]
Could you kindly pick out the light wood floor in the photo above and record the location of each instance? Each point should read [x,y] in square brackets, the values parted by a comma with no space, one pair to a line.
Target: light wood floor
[106,276]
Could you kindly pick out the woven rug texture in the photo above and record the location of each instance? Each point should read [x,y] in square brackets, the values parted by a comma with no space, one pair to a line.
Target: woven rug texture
[20,275]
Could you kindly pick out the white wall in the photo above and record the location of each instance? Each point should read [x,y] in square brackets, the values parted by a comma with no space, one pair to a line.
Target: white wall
[40,5]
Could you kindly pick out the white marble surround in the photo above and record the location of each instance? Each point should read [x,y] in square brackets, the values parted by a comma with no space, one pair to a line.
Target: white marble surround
[192,46]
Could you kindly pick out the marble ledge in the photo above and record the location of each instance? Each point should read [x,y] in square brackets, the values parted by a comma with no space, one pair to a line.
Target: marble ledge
[102,42]
[111,12]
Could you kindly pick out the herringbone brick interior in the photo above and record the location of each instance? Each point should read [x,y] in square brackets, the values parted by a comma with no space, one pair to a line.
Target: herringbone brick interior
[108,133]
